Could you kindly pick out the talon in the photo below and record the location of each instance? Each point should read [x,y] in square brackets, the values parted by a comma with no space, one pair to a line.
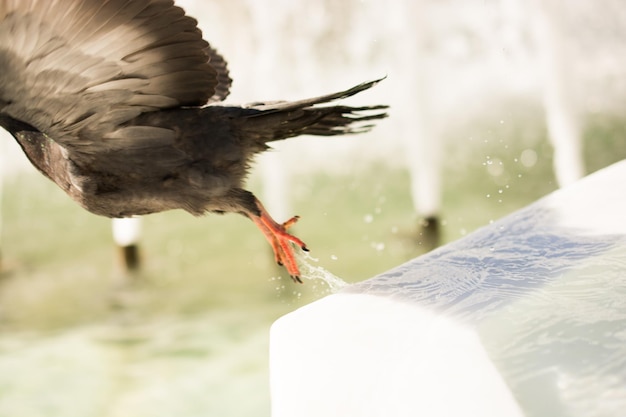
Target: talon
[296,279]
[304,248]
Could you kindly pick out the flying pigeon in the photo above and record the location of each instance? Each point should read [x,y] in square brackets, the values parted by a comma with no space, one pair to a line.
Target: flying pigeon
[119,102]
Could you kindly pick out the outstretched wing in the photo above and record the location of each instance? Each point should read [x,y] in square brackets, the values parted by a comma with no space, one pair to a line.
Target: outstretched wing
[78,69]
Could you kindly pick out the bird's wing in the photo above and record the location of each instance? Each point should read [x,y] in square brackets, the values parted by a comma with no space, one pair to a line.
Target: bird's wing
[76,70]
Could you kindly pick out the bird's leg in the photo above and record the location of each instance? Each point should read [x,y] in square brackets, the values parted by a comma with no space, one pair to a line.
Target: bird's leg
[281,241]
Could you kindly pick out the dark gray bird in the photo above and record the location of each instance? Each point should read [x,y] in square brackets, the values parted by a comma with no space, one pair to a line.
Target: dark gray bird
[115,101]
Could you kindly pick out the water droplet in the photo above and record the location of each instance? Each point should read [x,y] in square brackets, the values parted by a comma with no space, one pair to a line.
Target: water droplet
[528,158]
[333,257]
[368,218]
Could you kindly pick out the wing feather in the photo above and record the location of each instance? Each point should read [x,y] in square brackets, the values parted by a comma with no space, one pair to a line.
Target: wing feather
[77,70]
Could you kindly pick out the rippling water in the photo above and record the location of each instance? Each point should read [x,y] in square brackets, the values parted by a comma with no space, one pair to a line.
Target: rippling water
[548,302]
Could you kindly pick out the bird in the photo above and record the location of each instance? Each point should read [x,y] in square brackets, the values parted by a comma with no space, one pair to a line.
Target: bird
[121,104]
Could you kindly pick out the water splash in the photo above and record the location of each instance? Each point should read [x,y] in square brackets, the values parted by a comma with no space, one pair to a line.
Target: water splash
[310,271]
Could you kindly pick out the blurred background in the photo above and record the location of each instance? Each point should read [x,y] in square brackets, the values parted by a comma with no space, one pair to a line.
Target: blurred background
[494,103]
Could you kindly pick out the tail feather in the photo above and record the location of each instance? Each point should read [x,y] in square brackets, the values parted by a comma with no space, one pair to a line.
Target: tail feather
[308,102]
[285,119]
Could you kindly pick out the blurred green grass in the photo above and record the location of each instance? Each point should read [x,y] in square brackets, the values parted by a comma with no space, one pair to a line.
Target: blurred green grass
[59,259]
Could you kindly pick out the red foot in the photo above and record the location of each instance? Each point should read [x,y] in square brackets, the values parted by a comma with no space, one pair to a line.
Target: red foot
[281,241]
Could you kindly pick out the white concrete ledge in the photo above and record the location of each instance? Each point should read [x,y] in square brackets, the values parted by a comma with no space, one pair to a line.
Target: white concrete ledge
[524,317]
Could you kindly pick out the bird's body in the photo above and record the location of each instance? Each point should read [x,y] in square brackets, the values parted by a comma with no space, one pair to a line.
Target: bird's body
[117,102]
